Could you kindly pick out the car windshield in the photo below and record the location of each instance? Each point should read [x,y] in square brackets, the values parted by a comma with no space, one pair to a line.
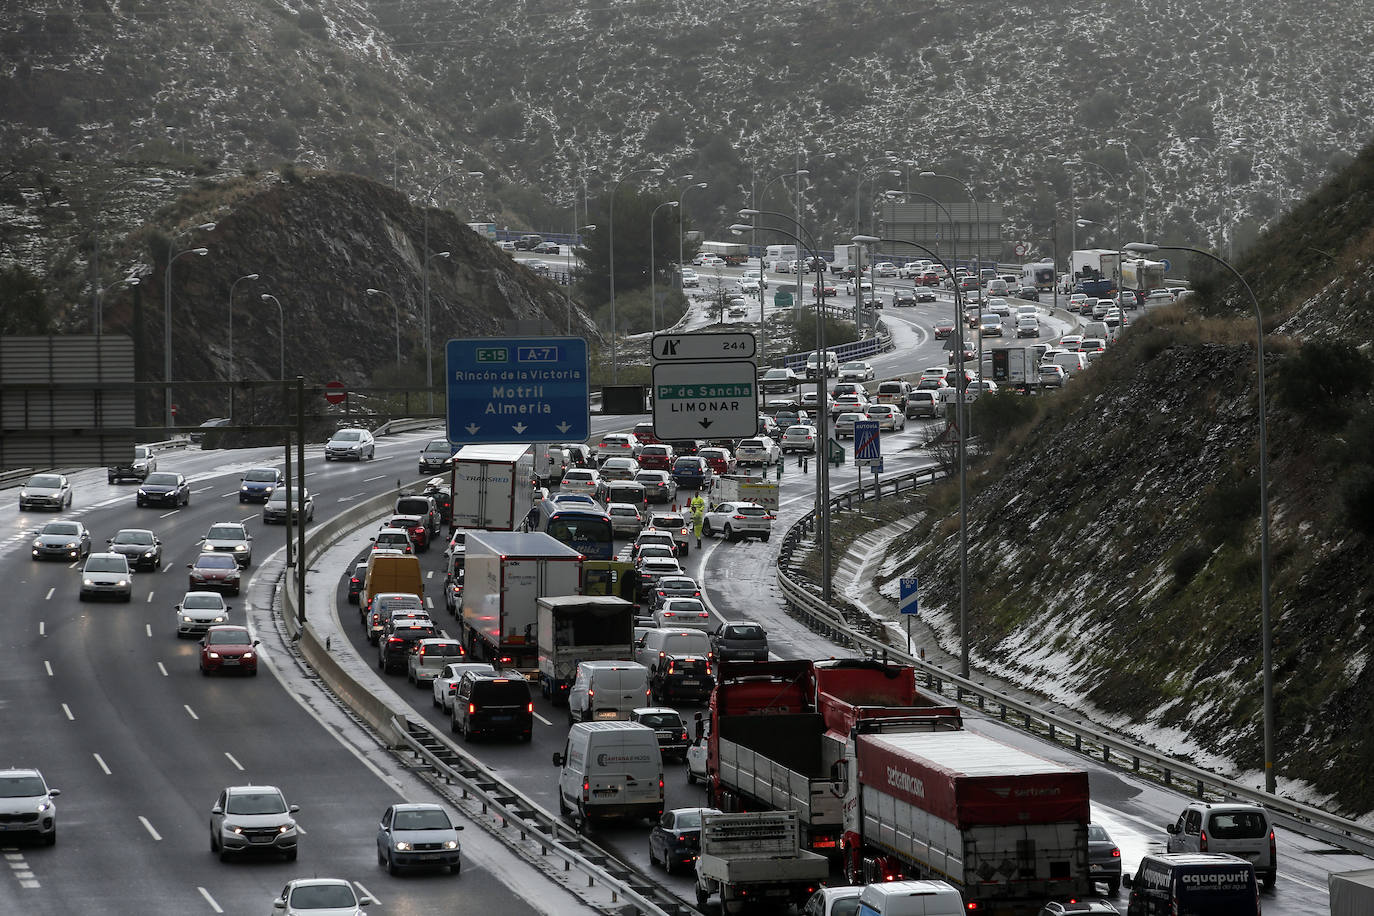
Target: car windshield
[322,897]
[227,637]
[347,435]
[685,606]
[1096,832]
[744,631]
[21,786]
[663,720]
[161,480]
[133,536]
[225,533]
[202,601]
[45,480]
[62,528]
[439,447]
[422,819]
[107,564]
[216,561]
[261,475]
[255,803]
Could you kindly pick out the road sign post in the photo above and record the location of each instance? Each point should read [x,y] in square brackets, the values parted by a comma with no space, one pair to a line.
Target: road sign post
[909,604]
[519,389]
[705,386]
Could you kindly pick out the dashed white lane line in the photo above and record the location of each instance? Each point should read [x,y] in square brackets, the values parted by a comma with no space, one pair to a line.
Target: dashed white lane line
[163,668]
[191,712]
[48,596]
[101,761]
[47,666]
[207,489]
[384,476]
[542,719]
[359,885]
[149,827]
[150,600]
[236,764]
[42,628]
[68,710]
[148,628]
[211,900]
[169,514]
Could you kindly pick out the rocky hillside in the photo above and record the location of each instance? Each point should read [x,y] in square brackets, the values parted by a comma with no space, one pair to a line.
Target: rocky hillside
[1114,538]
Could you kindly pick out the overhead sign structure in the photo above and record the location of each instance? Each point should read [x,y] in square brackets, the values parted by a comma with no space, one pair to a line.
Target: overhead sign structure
[705,386]
[909,602]
[517,389]
[868,446]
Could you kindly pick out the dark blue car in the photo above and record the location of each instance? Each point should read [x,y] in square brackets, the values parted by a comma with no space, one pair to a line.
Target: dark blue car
[164,489]
[676,839]
[258,485]
[693,473]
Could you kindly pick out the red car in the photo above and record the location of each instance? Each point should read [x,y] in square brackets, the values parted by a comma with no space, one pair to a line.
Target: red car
[226,650]
[656,458]
[414,525]
[825,289]
[720,459]
[943,330]
[215,572]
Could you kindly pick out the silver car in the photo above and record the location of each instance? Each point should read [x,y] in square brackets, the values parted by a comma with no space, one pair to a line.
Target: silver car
[418,835]
[429,656]
[26,805]
[231,537]
[199,611]
[274,511]
[626,519]
[61,541]
[46,491]
[247,819]
[799,438]
[320,897]
[107,575]
[354,444]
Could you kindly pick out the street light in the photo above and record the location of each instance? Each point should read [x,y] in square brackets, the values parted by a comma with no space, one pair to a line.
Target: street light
[233,286]
[822,391]
[610,241]
[281,336]
[1117,206]
[1126,147]
[96,316]
[167,316]
[681,222]
[750,213]
[763,195]
[961,413]
[888,157]
[424,279]
[1266,630]
[395,311]
[977,252]
[653,285]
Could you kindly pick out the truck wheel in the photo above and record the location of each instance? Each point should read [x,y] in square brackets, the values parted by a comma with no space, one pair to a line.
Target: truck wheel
[702,897]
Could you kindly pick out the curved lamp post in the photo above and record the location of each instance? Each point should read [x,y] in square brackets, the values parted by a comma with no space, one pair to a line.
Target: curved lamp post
[97,318]
[610,254]
[681,222]
[167,317]
[653,285]
[962,411]
[977,255]
[750,212]
[233,286]
[395,310]
[281,335]
[1266,628]
[1116,206]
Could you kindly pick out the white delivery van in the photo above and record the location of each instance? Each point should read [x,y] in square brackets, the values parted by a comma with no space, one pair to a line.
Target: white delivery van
[1072,361]
[1095,329]
[607,690]
[911,898]
[610,769]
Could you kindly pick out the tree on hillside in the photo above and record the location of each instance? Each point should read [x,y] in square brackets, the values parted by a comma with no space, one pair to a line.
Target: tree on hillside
[24,305]
[632,236]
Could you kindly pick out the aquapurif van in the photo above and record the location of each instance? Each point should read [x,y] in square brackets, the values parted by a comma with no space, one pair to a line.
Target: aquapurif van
[1193,884]
[911,898]
[603,690]
[610,770]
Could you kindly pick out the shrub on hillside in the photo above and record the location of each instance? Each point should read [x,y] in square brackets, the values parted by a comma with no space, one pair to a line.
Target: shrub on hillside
[1321,380]
[1357,499]
[997,415]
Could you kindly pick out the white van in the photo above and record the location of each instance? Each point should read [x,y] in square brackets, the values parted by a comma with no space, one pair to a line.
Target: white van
[607,690]
[911,898]
[813,363]
[610,769]
[1095,329]
[1072,361]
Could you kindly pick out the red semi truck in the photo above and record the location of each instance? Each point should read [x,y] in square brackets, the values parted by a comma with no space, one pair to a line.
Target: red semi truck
[1007,828]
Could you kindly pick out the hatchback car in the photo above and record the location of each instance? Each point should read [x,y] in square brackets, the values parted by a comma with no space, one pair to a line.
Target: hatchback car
[677,586]
[61,541]
[199,611]
[612,445]
[258,484]
[888,416]
[437,455]
[164,488]
[429,656]
[1104,858]
[228,650]
[659,486]
[676,525]
[446,681]
[586,481]
[855,372]
[626,520]
[799,438]
[740,640]
[844,424]
[718,459]
[668,727]
[779,380]
[231,538]
[761,451]
[620,469]
[45,491]
[650,569]
[393,539]
[107,575]
[274,510]
[418,835]
[693,473]
[355,444]
[398,635]
[143,463]
[253,819]
[657,457]
[219,571]
[316,896]
[139,546]
[676,838]
[26,805]
[736,520]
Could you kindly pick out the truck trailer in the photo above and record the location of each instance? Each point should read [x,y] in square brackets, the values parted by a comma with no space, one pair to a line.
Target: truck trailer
[492,486]
[730,488]
[1007,828]
[730,252]
[506,573]
[574,629]
[754,858]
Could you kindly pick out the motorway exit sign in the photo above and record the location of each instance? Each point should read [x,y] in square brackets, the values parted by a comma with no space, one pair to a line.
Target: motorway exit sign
[707,400]
[520,389]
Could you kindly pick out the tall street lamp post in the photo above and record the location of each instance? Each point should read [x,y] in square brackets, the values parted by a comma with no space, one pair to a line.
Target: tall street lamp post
[396,312]
[424,278]
[653,284]
[962,414]
[168,419]
[610,254]
[1266,629]
[97,318]
[750,213]
[1126,147]
[233,286]
[1116,207]
[975,226]
[281,335]
[682,222]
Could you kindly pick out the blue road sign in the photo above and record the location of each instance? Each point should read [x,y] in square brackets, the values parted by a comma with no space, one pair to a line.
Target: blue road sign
[517,389]
[1167,266]
[910,600]
[867,444]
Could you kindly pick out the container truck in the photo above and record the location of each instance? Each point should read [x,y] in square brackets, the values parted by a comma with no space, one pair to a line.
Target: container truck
[505,575]
[754,858]
[573,629]
[1007,828]
[1040,274]
[846,258]
[747,489]
[493,486]
[1095,264]
[778,729]
[729,252]
[1142,275]
[1352,892]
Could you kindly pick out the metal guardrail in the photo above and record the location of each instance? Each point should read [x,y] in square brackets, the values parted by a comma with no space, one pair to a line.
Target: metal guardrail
[19,475]
[1109,749]
[407,425]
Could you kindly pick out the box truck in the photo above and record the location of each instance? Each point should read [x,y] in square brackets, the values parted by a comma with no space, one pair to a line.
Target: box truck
[506,573]
[580,628]
[493,486]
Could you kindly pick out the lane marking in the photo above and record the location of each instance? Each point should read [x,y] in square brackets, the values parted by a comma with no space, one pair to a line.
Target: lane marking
[429,603]
[163,669]
[68,710]
[369,893]
[210,900]
[380,477]
[542,719]
[148,628]
[165,567]
[232,760]
[149,601]
[191,712]
[47,666]
[169,514]
[100,760]
[149,827]
[244,521]
[204,489]
[222,495]
[42,628]
[48,596]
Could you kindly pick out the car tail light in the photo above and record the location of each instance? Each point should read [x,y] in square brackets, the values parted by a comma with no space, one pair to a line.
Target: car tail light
[590,694]
[472,708]
[1273,850]
[671,666]
[1202,841]
[529,707]
[586,790]
[684,736]
[394,639]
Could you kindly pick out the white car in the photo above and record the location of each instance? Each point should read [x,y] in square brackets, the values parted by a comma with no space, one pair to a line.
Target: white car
[888,416]
[583,481]
[736,520]
[762,451]
[709,260]
[863,286]
[106,574]
[230,537]
[253,819]
[799,438]
[26,805]
[690,278]
[618,445]
[696,757]
[855,372]
[446,681]
[353,443]
[885,269]
[1158,297]
[844,424]
[320,897]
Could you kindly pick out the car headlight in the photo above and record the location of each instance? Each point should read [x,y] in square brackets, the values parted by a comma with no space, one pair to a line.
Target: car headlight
[44,805]
[219,619]
[248,655]
[23,494]
[268,490]
[238,547]
[71,544]
[243,489]
[142,492]
[185,618]
[148,554]
[451,844]
[233,828]
[287,827]
[37,542]
[402,846]
[122,582]
[212,654]
[88,582]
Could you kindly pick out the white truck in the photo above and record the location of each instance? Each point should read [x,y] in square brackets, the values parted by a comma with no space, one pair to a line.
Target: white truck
[1095,262]
[846,257]
[492,486]
[573,629]
[506,573]
[747,489]
[756,857]
[1352,892]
